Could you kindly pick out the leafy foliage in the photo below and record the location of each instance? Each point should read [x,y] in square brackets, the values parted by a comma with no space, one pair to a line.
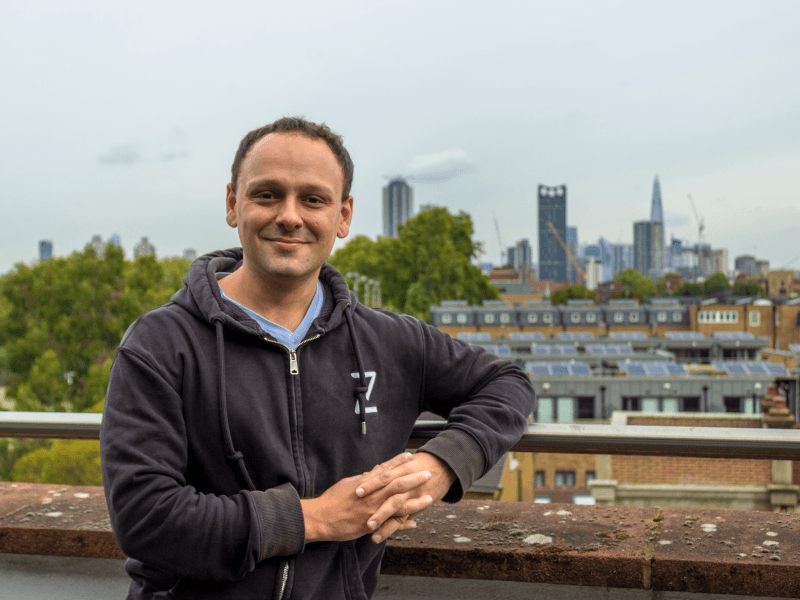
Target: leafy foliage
[748,288]
[689,288]
[60,324]
[638,286]
[574,292]
[428,262]
[715,284]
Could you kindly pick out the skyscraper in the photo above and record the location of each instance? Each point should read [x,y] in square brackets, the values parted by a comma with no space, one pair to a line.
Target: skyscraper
[552,209]
[398,205]
[46,250]
[656,211]
[144,248]
[648,238]
[572,246]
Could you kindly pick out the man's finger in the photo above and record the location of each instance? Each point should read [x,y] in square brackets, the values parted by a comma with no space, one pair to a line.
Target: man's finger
[382,474]
[396,506]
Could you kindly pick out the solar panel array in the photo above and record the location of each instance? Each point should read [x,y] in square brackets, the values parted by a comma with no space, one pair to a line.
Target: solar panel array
[497,349]
[683,335]
[627,335]
[575,337]
[733,335]
[616,349]
[475,337]
[794,347]
[749,368]
[521,336]
[557,369]
[555,349]
[652,369]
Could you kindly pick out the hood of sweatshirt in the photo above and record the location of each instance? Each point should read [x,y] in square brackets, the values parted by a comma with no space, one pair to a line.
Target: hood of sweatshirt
[201,296]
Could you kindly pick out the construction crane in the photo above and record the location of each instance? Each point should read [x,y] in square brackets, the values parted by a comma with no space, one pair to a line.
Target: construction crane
[581,274]
[499,241]
[700,223]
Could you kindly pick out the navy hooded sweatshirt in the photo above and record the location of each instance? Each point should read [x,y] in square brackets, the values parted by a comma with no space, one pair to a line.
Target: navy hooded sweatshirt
[213,431]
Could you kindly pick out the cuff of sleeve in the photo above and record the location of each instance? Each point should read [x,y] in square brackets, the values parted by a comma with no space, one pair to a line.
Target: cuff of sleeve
[280,519]
[463,454]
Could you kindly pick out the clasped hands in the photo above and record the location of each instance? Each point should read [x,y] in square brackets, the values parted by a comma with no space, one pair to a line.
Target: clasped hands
[382,501]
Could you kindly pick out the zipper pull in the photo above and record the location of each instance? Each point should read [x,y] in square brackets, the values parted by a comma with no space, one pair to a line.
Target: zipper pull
[294,368]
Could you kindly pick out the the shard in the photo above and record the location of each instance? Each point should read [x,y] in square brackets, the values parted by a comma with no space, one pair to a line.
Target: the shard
[656,212]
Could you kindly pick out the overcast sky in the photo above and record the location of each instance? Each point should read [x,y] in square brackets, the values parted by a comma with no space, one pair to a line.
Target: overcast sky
[124,118]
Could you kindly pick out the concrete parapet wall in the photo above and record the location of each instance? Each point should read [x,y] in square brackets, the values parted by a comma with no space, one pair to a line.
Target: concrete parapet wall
[677,550]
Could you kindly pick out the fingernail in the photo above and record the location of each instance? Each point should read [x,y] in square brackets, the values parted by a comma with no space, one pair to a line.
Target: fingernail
[376,538]
[412,524]
[372,525]
[427,474]
[360,492]
[408,455]
[429,500]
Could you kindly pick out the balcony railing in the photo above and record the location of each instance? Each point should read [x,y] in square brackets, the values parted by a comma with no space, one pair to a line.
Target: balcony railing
[710,442]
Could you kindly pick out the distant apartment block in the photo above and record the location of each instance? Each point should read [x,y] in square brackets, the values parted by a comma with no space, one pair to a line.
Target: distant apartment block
[398,205]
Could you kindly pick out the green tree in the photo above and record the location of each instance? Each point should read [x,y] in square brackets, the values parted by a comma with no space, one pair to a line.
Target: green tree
[636,285]
[574,292]
[60,324]
[748,288]
[715,284]
[689,288]
[429,261]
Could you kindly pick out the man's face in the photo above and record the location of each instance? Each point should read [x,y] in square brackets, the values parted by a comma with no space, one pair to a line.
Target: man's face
[288,207]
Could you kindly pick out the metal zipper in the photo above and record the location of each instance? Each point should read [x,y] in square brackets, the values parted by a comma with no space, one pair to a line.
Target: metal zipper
[284,579]
[294,365]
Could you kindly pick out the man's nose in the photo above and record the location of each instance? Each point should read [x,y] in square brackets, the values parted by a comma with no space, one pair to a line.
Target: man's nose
[289,213]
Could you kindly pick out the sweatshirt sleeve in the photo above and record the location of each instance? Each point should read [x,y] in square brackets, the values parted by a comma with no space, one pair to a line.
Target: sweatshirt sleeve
[156,516]
[486,401]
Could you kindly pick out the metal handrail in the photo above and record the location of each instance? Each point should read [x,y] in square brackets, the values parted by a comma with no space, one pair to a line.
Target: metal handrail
[713,442]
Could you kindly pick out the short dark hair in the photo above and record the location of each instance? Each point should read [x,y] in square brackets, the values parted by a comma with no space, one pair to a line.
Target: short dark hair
[307,128]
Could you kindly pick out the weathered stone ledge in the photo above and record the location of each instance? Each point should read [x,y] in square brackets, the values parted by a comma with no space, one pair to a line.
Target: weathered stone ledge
[701,551]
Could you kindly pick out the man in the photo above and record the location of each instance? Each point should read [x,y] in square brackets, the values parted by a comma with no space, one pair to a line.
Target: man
[244,420]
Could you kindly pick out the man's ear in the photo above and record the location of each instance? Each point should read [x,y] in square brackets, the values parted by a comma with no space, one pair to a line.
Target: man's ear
[230,207]
[345,217]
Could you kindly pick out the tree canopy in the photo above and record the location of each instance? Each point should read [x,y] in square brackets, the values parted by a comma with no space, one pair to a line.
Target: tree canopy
[60,324]
[429,261]
[638,286]
[748,288]
[715,284]
[574,292]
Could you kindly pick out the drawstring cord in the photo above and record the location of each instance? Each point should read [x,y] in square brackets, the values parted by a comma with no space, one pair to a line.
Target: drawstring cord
[233,455]
[361,389]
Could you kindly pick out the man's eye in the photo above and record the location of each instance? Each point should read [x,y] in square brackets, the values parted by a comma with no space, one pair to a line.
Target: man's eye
[314,200]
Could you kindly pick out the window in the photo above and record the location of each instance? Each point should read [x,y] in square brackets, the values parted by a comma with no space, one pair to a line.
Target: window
[619,317]
[575,317]
[670,405]
[505,318]
[650,405]
[447,318]
[461,318]
[591,317]
[737,404]
[691,404]
[633,317]
[555,410]
[538,479]
[585,407]
[565,478]
[755,318]
[547,318]
[661,316]
[590,477]
[533,318]
[631,404]
[488,318]
[677,316]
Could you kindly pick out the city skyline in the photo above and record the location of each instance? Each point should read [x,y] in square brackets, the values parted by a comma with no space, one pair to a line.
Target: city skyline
[139,137]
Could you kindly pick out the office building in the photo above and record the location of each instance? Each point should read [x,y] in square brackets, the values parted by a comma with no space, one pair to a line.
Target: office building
[45,250]
[190,254]
[144,248]
[574,248]
[648,247]
[656,210]
[520,255]
[398,205]
[552,210]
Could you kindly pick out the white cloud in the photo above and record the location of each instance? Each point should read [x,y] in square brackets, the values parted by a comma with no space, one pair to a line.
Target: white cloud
[438,167]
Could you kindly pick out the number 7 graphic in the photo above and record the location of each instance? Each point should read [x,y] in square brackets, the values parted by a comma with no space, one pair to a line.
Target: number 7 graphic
[371,377]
